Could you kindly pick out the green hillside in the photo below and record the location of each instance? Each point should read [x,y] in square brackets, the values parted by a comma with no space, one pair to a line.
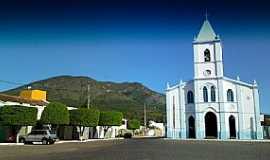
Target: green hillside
[128,98]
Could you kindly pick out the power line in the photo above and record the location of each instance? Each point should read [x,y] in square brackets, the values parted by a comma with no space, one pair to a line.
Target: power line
[44,87]
[10,82]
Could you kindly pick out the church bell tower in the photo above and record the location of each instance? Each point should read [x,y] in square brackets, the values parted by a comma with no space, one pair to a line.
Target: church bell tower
[207,48]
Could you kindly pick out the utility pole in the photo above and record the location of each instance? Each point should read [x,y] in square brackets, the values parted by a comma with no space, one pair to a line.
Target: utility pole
[145,120]
[88,95]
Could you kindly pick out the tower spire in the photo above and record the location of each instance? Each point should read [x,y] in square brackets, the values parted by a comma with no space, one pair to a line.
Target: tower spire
[206,15]
[206,32]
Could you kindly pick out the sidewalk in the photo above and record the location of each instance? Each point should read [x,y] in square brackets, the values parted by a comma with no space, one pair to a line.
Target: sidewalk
[63,141]
[223,140]
[88,140]
[11,144]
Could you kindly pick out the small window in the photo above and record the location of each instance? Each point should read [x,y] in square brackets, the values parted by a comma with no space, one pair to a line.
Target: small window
[208,72]
[190,97]
[230,97]
[207,57]
[213,94]
[33,133]
[205,94]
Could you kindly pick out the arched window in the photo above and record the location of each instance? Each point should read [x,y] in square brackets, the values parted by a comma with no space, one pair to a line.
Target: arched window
[230,97]
[205,94]
[207,57]
[190,97]
[213,94]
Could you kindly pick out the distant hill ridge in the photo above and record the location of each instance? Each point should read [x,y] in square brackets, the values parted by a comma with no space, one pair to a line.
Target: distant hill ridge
[126,97]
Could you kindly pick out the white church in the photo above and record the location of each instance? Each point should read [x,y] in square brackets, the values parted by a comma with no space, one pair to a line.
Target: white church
[212,105]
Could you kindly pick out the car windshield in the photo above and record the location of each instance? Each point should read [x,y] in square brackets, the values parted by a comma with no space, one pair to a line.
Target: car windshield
[38,133]
[52,132]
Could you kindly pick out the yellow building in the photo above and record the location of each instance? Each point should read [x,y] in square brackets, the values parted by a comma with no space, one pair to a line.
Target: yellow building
[34,95]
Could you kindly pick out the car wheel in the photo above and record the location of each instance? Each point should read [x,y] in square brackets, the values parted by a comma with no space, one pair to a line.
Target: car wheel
[44,141]
[22,140]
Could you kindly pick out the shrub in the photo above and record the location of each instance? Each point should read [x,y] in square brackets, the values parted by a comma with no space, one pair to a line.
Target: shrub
[133,124]
[84,117]
[110,118]
[18,116]
[55,114]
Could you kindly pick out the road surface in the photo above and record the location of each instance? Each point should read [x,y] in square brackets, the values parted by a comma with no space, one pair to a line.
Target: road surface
[140,149]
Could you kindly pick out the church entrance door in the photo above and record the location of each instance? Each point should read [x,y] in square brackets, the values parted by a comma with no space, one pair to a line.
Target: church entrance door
[191,129]
[232,127]
[210,120]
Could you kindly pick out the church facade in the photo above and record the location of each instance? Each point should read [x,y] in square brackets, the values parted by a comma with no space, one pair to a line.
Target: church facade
[212,105]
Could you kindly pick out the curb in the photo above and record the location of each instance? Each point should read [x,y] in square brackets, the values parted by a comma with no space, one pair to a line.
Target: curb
[11,144]
[89,140]
[220,140]
[61,142]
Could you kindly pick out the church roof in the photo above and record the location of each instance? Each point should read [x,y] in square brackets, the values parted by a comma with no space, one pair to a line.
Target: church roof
[206,33]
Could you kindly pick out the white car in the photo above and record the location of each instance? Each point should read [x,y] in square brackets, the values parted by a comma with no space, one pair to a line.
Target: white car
[44,136]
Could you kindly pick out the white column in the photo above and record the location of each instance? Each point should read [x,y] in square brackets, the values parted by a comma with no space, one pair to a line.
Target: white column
[258,127]
[182,112]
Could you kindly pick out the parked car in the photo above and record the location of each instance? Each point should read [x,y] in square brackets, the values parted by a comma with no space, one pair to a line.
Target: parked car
[44,136]
[128,135]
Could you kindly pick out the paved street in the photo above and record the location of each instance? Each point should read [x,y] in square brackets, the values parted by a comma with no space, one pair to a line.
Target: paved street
[140,149]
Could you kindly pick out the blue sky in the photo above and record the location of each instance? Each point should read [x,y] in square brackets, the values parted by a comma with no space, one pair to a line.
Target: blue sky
[135,41]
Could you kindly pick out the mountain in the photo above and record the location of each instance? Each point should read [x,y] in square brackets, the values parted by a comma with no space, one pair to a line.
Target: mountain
[126,97]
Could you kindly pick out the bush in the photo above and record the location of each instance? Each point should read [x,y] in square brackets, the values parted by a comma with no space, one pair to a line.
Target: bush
[110,118]
[55,114]
[134,124]
[18,116]
[84,117]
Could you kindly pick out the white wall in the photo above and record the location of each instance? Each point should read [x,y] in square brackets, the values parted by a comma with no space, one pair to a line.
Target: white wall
[190,108]
[215,65]
[170,94]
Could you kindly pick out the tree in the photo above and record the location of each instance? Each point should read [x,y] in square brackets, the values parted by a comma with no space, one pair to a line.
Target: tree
[18,116]
[55,114]
[133,124]
[109,119]
[84,117]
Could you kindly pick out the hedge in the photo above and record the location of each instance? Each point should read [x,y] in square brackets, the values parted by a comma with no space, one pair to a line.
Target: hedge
[84,117]
[110,118]
[133,124]
[55,114]
[18,116]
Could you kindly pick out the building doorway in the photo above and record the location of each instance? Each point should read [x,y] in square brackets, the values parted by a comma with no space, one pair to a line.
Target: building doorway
[191,127]
[232,127]
[210,120]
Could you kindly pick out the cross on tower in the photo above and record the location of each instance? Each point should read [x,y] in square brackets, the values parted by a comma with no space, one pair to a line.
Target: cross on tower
[206,15]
